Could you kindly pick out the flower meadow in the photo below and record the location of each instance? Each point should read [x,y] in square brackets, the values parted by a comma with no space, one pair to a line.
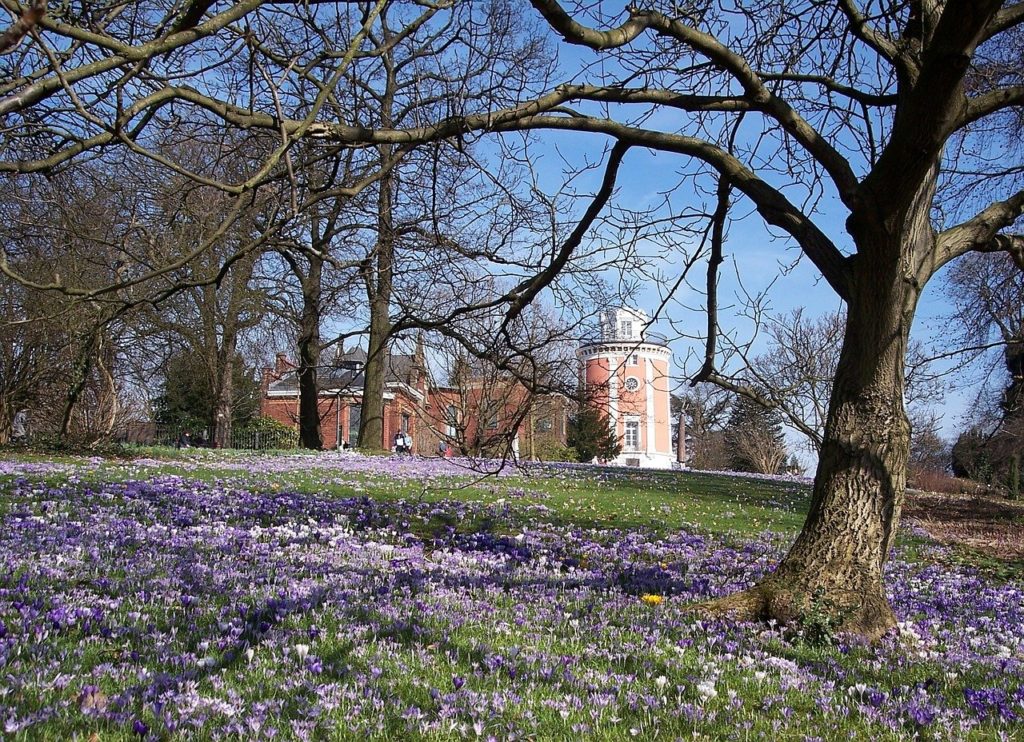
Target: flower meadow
[214,600]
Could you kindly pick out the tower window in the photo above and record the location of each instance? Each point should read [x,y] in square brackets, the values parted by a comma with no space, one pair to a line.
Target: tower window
[626,329]
[632,384]
[631,440]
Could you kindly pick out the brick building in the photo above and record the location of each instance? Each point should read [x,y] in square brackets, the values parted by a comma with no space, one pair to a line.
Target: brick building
[484,414]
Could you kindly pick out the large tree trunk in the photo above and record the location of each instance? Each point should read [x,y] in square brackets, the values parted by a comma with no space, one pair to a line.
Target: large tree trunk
[107,398]
[371,426]
[310,435]
[6,420]
[223,398]
[835,567]
[378,275]
[81,369]
[861,479]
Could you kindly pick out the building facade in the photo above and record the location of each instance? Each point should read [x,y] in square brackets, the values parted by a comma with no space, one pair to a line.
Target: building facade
[482,414]
[626,372]
[407,395]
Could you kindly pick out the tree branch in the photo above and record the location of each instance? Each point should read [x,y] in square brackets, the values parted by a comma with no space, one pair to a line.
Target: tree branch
[815,436]
[992,101]
[192,14]
[981,234]
[868,99]
[935,96]
[1012,244]
[527,290]
[724,58]
[707,369]
[576,33]
[771,204]
[122,53]
[870,35]
[20,28]
[1005,19]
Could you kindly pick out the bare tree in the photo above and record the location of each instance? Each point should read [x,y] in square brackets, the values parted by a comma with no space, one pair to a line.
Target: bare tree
[80,216]
[928,451]
[705,408]
[794,375]
[755,439]
[32,362]
[506,395]
[423,196]
[988,294]
[878,108]
[880,131]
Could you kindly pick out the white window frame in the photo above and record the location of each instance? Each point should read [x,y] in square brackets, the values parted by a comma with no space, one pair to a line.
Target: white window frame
[451,421]
[631,424]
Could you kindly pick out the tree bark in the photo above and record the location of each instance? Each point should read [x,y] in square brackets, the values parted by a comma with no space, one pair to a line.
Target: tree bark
[79,378]
[6,421]
[378,275]
[223,400]
[310,435]
[371,426]
[835,566]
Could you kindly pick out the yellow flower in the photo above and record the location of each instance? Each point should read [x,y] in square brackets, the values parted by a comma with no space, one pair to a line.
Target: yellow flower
[651,599]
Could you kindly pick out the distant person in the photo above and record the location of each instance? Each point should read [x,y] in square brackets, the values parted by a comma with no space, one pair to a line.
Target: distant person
[184,440]
[406,443]
[19,427]
[442,448]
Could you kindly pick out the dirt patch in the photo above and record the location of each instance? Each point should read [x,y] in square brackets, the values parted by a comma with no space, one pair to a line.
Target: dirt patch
[989,524]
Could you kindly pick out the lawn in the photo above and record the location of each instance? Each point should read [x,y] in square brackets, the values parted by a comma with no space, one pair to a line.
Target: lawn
[214,596]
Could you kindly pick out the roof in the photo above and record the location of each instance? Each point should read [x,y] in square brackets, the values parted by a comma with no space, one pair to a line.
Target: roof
[355,355]
[346,373]
[328,377]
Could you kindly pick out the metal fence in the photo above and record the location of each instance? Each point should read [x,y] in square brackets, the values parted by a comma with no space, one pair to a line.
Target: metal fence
[151,434]
[261,440]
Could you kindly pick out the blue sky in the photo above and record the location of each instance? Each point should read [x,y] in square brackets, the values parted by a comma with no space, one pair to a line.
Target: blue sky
[760,258]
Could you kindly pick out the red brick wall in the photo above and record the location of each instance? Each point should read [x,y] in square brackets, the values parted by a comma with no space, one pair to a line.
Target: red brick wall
[285,410]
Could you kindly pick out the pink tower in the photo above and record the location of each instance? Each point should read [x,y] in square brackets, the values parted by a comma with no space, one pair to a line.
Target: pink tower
[626,371]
